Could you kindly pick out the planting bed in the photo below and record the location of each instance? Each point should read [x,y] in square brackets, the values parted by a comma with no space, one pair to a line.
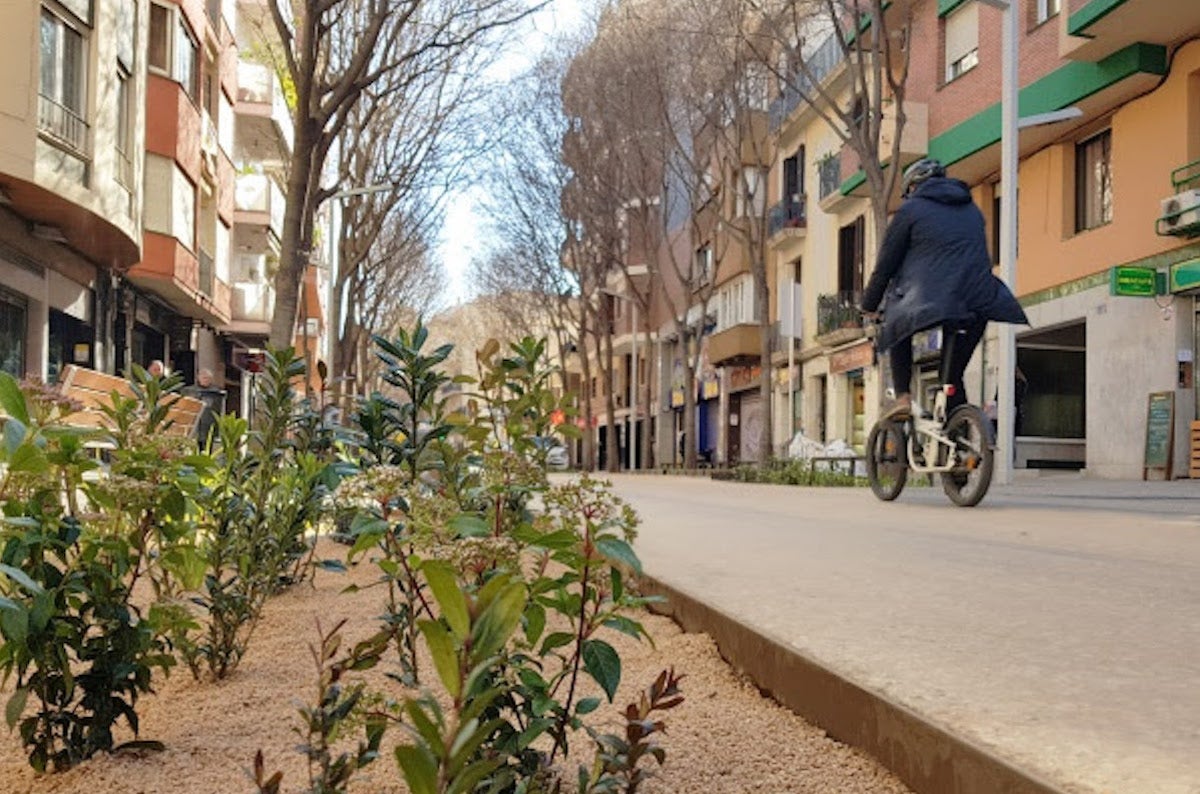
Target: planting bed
[725,737]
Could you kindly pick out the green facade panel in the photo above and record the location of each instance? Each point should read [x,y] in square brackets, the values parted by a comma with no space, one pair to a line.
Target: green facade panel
[1090,14]
[1061,88]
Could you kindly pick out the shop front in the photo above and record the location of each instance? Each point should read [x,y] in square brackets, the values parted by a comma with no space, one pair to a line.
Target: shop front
[848,367]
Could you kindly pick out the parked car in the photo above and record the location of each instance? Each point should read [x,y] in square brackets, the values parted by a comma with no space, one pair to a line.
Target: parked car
[557,458]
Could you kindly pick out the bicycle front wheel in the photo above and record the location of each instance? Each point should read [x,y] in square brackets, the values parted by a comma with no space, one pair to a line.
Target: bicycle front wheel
[967,482]
[887,459]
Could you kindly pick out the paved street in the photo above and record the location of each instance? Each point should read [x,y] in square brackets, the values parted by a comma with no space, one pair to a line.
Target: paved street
[1058,623]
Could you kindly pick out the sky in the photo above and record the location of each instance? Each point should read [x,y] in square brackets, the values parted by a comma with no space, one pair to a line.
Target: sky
[459,242]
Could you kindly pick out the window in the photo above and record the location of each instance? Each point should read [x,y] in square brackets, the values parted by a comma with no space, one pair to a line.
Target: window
[1047,9]
[850,256]
[1093,182]
[752,196]
[124,127]
[704,265]
[159,48]
[173,50]
[962,40]
[63,80]
[186,56]
[793,177]
[12,334]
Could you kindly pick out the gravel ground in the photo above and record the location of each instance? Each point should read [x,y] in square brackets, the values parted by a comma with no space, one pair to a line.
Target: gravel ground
[726,738]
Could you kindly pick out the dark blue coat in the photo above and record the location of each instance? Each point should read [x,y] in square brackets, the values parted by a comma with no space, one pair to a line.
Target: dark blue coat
[933,266]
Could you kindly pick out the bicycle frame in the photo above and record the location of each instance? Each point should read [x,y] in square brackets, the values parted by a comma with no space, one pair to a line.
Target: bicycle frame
[930,431]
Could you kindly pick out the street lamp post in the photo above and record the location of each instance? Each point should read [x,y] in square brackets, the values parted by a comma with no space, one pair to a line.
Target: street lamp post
[1010,125]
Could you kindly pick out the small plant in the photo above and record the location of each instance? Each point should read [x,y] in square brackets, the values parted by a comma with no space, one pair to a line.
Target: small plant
[265,492]
[447,755]
[400,440]
[80,650]
[618,765]
[336,707]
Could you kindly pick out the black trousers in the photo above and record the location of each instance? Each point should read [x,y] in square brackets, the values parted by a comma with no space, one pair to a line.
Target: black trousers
[959,341]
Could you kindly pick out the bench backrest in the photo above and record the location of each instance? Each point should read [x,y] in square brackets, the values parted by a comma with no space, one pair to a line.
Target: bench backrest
[93,390]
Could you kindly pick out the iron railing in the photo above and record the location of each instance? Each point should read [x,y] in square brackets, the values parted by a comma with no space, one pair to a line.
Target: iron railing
[838,310]
[829,176]
[62,123]
[787,214]
[801,85]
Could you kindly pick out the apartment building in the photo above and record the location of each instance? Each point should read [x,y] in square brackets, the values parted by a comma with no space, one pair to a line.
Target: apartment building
[177,296]
[1105,200]
[71,142]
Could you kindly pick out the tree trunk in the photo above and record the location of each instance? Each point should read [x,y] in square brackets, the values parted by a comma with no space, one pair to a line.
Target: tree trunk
[765,437]
[691,433]
[294,248]
[646,406]
[612,458]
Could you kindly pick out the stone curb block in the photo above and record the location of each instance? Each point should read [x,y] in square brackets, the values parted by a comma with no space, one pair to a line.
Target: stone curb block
[928,758]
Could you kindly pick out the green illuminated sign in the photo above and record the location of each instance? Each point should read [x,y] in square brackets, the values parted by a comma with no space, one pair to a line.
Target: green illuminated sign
[1185,275]
[1138,282]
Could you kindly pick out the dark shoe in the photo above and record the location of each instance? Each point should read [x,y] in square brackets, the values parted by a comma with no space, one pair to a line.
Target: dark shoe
[899,411]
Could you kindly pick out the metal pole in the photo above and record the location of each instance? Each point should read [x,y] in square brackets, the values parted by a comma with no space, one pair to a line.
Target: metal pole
[633,393]
[791,337]
[1008,241]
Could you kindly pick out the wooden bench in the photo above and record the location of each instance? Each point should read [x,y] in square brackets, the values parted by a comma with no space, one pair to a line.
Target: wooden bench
[93,390]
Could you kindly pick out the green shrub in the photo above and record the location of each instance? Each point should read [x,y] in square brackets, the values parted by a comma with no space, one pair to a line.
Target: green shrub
[72,550]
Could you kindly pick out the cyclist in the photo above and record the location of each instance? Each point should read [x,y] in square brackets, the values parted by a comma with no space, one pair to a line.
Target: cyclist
[934,269]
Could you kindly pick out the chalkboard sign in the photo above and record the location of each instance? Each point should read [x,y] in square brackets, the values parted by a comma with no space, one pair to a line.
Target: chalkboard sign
[1160,432]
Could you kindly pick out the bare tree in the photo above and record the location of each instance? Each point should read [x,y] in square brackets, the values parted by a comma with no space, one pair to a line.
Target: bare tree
[871,42]
[334,52]
[403,143]
[530,255]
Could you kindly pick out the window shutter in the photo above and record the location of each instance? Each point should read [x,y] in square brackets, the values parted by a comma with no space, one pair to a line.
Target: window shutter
[962,32]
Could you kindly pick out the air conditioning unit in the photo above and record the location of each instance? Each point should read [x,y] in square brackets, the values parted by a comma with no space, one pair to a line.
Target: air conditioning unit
[1181,211]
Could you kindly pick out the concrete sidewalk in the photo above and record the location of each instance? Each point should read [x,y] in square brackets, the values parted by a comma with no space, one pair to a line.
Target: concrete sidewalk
[1048,640]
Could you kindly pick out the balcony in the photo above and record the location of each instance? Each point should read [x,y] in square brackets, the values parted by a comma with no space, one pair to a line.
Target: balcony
[838,318]
[62,125]
[789,217]
[258,201]
[252,306]
[251,269]
[265,132]
[1099,28]
[736,344]
[821,64]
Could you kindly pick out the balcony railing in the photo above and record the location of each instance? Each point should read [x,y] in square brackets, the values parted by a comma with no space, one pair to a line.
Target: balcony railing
[258,85]
[207,273]
[837,311]
[821,64]
[259,193]
[63,124]
[787,214]
[829,176]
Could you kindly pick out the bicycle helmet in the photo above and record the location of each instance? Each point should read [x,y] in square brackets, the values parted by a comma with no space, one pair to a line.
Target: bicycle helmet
[919,171]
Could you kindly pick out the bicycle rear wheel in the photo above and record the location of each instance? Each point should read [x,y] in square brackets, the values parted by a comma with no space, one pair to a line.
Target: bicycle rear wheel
[967,483]
[887,459]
